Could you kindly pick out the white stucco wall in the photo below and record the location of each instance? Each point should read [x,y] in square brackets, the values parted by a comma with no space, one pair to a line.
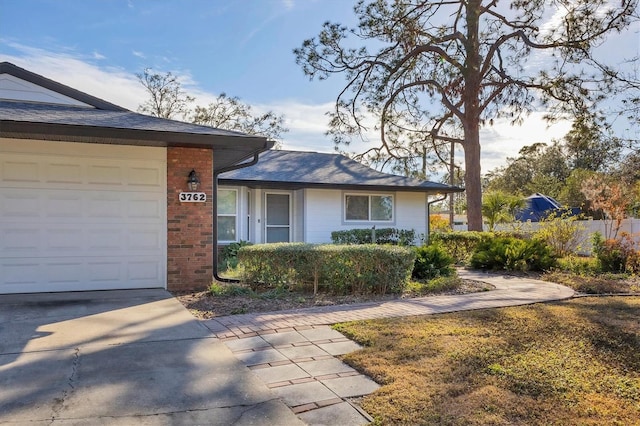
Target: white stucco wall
[324,214]
[411,212]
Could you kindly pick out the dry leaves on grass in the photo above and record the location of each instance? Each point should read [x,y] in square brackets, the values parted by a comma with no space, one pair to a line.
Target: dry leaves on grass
[573,362]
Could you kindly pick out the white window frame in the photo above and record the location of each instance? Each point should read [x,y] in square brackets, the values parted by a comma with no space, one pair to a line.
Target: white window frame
[230,215]
[369,195]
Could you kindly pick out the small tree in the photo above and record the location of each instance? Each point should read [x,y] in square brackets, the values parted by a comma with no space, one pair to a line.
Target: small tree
[612,198]
[167,99]
[499,207]
[229,113]
[562,232]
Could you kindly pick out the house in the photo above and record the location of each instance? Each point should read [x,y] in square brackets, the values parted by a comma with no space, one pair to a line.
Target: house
[95,197]
[304,196]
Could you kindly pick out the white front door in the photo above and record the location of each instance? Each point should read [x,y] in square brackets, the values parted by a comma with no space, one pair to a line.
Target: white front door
[277,217]
[77,216]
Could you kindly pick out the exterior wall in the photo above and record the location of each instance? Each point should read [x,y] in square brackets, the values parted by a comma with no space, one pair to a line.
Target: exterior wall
[318,212]
[189,225]
[324,214]
[12,87]
[323,209]
[297,218]
[411,212]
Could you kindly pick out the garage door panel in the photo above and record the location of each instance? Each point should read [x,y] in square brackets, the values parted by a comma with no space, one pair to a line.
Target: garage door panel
[81,217]
[63,274]
[20,171]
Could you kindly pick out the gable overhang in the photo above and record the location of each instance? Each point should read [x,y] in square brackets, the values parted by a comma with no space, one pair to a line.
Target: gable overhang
[228,149]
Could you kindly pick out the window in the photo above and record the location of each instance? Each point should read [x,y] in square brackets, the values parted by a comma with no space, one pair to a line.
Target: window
[370,208]
[227,213]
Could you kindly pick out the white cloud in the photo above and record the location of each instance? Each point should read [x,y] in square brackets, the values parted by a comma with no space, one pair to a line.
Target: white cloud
[109,83]
[97,55]
[138,54]
[288,4]
[504,140]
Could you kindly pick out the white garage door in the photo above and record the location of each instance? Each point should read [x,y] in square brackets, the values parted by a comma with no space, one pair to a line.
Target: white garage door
[81,216]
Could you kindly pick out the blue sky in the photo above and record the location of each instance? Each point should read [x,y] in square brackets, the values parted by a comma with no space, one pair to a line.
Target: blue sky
[240,47]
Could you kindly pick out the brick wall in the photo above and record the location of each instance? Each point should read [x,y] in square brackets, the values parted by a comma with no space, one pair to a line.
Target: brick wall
[189,225]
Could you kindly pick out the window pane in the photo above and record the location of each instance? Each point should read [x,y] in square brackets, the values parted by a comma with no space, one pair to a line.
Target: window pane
[226,201]
[381,207]
[226,228]
[277,209]
[278,235]
[357,207]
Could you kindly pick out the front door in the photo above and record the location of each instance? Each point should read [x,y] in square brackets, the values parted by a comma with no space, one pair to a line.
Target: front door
[278,218]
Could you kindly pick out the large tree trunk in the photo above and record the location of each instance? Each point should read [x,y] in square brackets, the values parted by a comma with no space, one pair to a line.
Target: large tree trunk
[472,183]
[471,122]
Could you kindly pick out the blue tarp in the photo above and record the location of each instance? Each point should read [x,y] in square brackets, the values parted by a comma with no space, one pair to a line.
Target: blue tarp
[540,206]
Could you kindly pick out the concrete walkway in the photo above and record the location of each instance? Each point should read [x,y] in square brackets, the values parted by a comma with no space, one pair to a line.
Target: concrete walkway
[293,352]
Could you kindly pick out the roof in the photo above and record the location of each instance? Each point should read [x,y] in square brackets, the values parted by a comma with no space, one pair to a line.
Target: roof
[104,122]
[295,169]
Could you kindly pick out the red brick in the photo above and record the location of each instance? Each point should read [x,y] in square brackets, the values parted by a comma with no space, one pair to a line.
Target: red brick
[189,253]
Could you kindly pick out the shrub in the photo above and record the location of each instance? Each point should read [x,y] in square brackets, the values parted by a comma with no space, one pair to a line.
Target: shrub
[339,268]
[459,244]
[512,254]
[432,261]
[401,237]
[616,255]
[579,265]
[563,233]
[229,255]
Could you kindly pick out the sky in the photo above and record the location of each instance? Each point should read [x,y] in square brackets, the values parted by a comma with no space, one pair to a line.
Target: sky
[240,47]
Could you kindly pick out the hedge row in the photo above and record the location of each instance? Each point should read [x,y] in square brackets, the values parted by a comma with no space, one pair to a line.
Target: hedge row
[341,269]
[400,237]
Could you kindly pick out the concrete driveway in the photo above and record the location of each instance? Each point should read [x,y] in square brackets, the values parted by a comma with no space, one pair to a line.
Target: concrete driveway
[122,357]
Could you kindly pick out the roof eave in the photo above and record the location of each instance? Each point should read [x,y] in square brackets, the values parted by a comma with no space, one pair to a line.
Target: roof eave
[345,187]
[228,149]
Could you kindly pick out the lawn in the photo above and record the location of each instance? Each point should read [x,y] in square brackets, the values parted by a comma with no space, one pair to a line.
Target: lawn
[567,363]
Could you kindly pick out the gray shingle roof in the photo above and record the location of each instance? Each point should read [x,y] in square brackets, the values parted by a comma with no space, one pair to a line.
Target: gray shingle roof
[93,117]
[294,169]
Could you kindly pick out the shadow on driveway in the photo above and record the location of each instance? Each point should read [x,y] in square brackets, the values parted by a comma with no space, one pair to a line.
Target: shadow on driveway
[119,357]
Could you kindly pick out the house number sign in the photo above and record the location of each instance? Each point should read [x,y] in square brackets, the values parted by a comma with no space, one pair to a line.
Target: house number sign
[192,197]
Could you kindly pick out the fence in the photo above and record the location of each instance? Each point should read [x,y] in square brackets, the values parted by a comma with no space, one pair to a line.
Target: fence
[588,228]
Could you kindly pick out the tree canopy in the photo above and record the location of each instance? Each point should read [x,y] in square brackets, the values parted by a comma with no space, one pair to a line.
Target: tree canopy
[434,72]
[167,99]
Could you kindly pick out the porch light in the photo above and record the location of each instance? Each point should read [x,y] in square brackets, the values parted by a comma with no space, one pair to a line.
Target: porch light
[193,181]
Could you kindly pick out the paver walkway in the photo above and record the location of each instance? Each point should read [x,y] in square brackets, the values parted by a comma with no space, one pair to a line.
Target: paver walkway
[294,351]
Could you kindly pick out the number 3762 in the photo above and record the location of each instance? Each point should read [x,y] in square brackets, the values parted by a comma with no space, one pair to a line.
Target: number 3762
[197,197]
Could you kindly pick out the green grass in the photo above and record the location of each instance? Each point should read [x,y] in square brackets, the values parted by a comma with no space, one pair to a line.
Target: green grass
[567,363]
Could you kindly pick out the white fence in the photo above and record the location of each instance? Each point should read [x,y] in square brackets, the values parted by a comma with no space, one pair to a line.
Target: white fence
[605,227]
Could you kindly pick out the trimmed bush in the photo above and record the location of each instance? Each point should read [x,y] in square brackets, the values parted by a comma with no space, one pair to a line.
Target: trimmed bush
[342,269]
[459,244]
[399,237]
[513,254]
[432,261]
